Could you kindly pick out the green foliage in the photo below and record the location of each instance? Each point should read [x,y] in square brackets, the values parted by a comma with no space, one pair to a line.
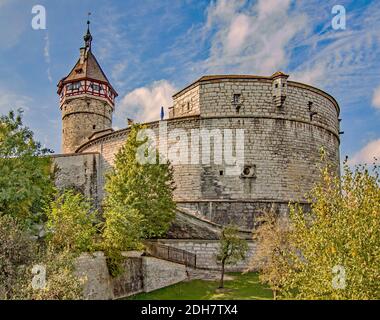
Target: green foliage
[71,223]
[272,238]
[122,231]
[331,251]
[25,171]
[61,281]
[139,201]
[232,248]
[340,232]
[122,228]
[17,250]
[26,195]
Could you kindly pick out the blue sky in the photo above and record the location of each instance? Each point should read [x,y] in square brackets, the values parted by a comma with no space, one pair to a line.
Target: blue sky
[149,49]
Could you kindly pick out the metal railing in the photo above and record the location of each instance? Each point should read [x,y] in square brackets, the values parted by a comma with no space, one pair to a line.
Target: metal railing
[171,254]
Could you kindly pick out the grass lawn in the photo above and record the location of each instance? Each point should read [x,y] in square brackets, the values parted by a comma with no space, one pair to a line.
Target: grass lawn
[244,286]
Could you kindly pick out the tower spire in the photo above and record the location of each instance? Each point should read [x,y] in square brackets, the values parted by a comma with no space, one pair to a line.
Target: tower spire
[88,37]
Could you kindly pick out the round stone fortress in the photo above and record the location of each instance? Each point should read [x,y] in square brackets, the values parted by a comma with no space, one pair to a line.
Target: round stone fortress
[284,125]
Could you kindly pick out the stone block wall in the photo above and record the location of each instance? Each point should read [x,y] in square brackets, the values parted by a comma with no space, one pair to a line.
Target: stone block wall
[81,117]
[206,251]
[186,104]
[92,269]
[240,213]
[131,281]
[160,273]
[281,145]
[142,274]
[256,100]
[78,171]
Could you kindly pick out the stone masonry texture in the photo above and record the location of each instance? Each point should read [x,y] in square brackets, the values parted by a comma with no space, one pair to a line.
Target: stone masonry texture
[282,145]
[141,274]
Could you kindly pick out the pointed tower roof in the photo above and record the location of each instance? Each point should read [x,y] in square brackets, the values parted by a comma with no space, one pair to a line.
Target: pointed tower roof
[87,67]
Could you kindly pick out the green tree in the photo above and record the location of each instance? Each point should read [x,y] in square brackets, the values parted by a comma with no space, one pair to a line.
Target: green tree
[71,223]
[17,251]
[139,197]
[272,247]
[231,249]
[26,184]
[336,246]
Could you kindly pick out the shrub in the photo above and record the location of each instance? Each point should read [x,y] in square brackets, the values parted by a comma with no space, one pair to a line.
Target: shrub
[17,251]
[71,223]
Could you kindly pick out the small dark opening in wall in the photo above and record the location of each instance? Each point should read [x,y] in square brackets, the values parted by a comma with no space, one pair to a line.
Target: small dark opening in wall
[236,98]
[94,127]
[221,172]
[276,85]
[283,85]
[247,171]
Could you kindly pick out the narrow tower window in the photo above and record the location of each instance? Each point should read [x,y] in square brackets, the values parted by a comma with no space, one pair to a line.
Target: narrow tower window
[236,98]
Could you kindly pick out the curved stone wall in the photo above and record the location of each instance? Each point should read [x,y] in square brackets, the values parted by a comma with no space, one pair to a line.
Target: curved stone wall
[81,117]
[281,144]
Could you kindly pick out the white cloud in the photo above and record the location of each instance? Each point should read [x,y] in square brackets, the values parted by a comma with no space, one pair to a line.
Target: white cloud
[47,56]
[340,60]
[47,48]
[376,98]
[144,104]
[12,101]
[312,76]
[238,33]
[118,69]
[367,153]
[251,38]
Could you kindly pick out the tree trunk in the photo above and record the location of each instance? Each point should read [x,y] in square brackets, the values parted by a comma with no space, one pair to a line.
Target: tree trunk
[274,294]
[221,285]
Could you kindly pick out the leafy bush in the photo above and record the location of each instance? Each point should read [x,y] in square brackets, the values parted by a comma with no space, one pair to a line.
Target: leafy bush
[336,246]
[26,183]
[333,250]
[71,223]
[17,251]
[272,238]
[61,283]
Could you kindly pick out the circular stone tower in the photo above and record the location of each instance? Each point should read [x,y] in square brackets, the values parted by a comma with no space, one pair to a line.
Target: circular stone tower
[87,100]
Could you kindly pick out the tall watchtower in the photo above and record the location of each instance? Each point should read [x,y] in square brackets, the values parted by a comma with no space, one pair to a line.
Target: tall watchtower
[87,99]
